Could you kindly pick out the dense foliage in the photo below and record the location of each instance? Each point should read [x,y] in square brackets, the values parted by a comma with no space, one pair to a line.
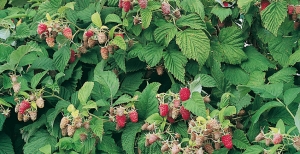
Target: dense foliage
[149,76]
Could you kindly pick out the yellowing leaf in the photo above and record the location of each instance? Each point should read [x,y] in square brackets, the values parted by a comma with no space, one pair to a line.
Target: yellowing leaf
[71,108]
[48,17]
[75,113]
[33,104]
[96,19]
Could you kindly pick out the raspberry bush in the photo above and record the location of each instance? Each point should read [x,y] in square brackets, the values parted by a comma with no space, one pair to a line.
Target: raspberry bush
[149,76]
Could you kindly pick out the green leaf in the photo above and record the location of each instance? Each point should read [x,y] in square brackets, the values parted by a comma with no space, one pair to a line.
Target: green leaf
[236,75]
[175,62]
[294,58]
[6,146]
[281,126]
[253,149]
[2,4]
[120,56]
[221,151]
[46,149]
[207,80]
[65,143]
[245,5]
[220,12]
[123,99]
[297,119]
[281,49]
[194,44]
[196,105]
[240,101]
[153,53]
[193,6]
[2,120]
[119,41]
[262,109]
[38,140]
[147,103]
[146,16]
[52,114]
[256,61]
[61,58]
[109,145]
[155,118]
[85,92]
[109,80]
[240,140]
[268,91]
[6,50]
[128,136]
[193,21]
[284,75]
[290,95]
[22,31]
[37,78]
[113,18]
[153,5]
[97,127]
[3,102]
[165,33]
[229,111]
[256,78]
[195,86]
[96,19]
[273,16]
[129,86]
[18,54]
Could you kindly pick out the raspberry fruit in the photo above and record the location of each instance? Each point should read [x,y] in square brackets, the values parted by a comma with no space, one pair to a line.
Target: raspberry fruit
[71,130]
[72,57]
[77,122]
[33,115]
[126,5]
[177,13]
[26,117]
[17,107]
[166,8]
[277,138]
[164,147]
[264,4]
[152,138]
[90,43]
[259,137]
[163,109]
[14,78]
[160,70]
[16,87]
[184,113]
[24,106]
[133,115]
[40,103]
[102,38]
[296,143]
[176,103]
[20,116]
[121,121]
[209,148]
[175,149]
[120,4]
[227,141]
[104,53]
[145,126]
[120,111]
[86,124]
[67,32]
[50,42]
[89,33]
[170,119]
[184,94]
[207,99]
[225,4]
[41,28]
[64,122]
[82,137]
[290,9]
[151,127]
[64,132]
[143,3]
[199,140]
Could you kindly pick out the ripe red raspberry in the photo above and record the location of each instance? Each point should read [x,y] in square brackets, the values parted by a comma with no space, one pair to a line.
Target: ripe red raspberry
[143,3]
[126,5]
[133,115]
[119,34]
[163,109]
[170,119]
[50,42]
[225,4]
[166,8]
[120,4]
[264,4]
[184,113]
[41,28]
[104,53]
[227,141]
[67,32]
[290,9]
[89,33]
[24,106]
[72,57]
[184,94]
[121,121]
[176,102]
[152,138]
[277,138]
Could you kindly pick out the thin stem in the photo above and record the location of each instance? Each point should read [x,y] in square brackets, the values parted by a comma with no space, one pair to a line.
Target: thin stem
[53,95]
[286,107]
[171,77]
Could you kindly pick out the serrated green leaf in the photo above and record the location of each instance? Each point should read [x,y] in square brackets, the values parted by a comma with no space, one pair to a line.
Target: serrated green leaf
[129,86]
[38,140]
[2,4]
[109,145]
[85,92]
[155,118]
[6,50]
[123,99]
[193,21]
[236,75]
[281,126]
[207,80]
[22,31]
[221,12]
[146,16]
[153,53]
[2,120]
[281,113]
[273,16]
[196,105]
[256,78]
[175,61]
[240,140]
[6,146]
[281,49]
[253,149]
[119,41]
[194,44]
[147,103]
[290,95]
[240,101]
[195,86]
[193,6]
[61,58]
[52,114]
[256,61]
[128,136]
[46,149]
[109,80]
[294,58]
[97,127]
[164,34]
[113,18]
[262,109]
[245,5]
[43,63]
[3,102]
[221,151]
[284,75]
[268,91]
[65,143]
[120,56]
[96,19]
[37,78]
[297,119]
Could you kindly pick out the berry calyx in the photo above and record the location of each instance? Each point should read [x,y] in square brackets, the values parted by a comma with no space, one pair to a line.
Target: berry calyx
[163,109]
[184,94]
[227,141]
